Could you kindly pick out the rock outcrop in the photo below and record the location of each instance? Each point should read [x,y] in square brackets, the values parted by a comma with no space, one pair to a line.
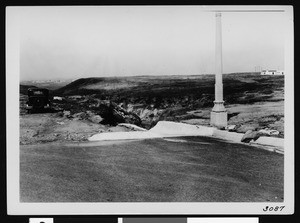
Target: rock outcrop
[112,114]
[250,135]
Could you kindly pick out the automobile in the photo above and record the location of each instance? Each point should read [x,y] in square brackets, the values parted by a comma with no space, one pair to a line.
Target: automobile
[38,100]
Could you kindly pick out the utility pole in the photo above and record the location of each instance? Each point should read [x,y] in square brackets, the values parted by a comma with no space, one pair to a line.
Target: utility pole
[218,115]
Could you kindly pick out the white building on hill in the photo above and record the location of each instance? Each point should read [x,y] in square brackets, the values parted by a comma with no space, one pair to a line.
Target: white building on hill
[272,72]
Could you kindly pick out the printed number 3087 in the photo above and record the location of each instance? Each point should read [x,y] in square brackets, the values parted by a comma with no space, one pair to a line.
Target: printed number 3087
[276,208]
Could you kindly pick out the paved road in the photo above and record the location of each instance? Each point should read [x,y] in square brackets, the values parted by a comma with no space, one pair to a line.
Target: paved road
[187,169]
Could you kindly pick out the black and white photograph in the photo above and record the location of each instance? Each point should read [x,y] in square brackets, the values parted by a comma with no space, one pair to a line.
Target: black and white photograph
[150,109]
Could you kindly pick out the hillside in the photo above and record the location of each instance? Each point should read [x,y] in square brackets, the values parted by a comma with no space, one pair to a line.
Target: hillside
[175,98]
[238,88]
[253,102]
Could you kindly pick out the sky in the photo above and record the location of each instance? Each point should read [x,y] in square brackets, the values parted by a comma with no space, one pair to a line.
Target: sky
[76,42]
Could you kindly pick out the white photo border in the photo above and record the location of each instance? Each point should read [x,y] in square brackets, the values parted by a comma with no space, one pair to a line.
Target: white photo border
[15,207]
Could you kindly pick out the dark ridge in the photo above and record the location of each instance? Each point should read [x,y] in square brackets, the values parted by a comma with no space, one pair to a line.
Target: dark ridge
[74,87]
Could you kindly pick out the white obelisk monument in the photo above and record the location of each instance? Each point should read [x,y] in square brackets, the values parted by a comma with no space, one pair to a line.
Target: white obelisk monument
[218,115]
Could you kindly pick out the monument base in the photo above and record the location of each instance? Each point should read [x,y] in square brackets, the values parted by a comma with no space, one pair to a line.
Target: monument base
[218,119]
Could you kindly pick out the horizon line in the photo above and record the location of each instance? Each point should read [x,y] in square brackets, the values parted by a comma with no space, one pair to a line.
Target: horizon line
[246,72]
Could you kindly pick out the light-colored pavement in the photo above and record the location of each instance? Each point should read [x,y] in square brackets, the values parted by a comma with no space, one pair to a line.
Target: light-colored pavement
[160,130]
[175,129]
[185,169]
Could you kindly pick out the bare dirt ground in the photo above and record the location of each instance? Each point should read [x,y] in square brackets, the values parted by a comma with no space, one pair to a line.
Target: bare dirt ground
[258,116]
[49,127]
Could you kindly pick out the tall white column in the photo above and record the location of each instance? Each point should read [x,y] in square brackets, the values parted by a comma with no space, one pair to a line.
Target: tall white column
[218,115]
